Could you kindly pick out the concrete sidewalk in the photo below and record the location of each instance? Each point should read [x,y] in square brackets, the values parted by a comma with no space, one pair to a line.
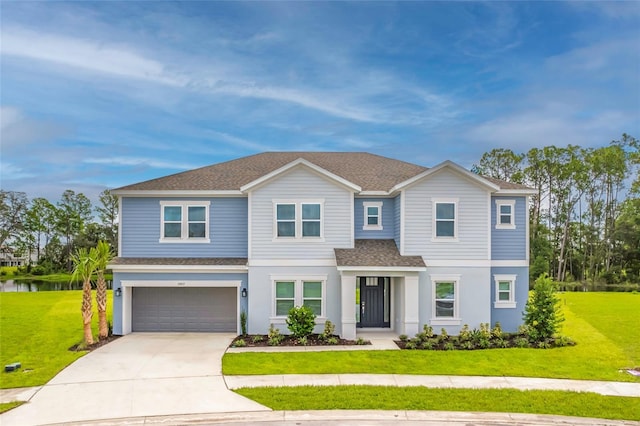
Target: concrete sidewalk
[469,382]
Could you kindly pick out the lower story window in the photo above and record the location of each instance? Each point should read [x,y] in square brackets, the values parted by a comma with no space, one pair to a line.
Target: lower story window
[299,291]
[505,291]
[445,299]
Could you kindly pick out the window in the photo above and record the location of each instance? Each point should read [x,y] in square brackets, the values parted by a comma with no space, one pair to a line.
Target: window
[505,291]
[184,221]
[446,300]
[298,220]
[372,216]
[299,291]
[505,217]
[445,226]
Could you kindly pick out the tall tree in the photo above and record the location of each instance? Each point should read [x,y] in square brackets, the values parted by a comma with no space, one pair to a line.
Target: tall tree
[13,207]
[102,257]
[40,222]
[108,214]
[501,163]
[84,265]
[73,213]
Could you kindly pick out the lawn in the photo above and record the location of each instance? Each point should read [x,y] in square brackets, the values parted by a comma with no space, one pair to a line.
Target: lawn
[606,344]
[37,329]
[421,398]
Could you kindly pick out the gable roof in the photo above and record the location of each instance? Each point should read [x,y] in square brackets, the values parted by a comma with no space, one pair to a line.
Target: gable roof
[376,253]
[368,171]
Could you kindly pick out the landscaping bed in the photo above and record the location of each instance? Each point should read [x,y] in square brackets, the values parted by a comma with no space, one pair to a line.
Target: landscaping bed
[263,340]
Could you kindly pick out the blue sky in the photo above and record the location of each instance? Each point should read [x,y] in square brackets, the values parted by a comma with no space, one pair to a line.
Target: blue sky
[98,95]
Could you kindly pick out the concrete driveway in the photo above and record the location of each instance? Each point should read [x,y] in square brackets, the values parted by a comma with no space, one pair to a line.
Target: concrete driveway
[141,374]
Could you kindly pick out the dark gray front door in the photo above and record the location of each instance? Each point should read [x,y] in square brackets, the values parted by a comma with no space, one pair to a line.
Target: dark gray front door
[374,302]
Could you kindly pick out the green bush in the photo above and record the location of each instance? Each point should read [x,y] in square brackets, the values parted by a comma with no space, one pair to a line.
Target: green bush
[403,337]
[329,330]
[243,322]
[301,321]
[274,336]
[542,314]
[257,338]
[240,343]
[332,340]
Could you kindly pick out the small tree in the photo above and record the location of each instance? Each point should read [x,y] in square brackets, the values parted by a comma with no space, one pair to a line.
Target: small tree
[83,267]
[301,321]
[102,255]
[542,313]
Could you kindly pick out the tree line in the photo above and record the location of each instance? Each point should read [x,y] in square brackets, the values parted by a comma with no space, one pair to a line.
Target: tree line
[585,215]
[52,233]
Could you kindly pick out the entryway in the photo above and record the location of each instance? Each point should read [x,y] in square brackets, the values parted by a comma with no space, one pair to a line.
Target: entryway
[373,297]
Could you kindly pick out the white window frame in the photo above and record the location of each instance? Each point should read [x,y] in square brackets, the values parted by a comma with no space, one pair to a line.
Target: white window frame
[455,320]
[434,220]
[377,205]
[184,232]
[502,304]
[298,281]
[298,221]
[512,205]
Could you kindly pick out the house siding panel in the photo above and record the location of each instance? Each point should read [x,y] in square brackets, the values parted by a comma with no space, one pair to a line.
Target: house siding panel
[298,185]
[140,229]
[397,217]
[510,318]
[509,244]
[388,219]
[472,218]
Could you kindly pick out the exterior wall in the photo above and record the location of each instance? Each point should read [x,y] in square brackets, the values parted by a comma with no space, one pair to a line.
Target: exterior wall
[301,184]
[261,297]
[509,244]
[140,228]
[397,289]
[474,296]
[118,277]
[472,218]
[510,318]
[388,219]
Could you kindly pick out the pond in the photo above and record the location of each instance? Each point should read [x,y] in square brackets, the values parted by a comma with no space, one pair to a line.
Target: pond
[38,285]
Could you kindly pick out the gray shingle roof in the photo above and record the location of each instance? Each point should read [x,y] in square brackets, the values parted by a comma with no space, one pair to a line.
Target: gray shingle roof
[369,171]
[376,253]
[196,261]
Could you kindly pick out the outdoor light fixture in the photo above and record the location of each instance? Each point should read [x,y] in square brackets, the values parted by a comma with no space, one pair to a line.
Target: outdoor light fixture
[244,292]
[118,292]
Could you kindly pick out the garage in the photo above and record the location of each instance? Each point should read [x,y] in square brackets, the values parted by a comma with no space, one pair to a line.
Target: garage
[184,309]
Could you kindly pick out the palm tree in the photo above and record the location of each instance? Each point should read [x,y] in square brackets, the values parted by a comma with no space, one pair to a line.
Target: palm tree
[103,256]
[83,268]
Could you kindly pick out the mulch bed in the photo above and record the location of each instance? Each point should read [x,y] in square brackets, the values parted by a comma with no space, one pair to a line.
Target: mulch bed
[80,347]
[262,340]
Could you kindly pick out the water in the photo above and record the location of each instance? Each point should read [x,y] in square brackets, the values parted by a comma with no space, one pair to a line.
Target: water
[38,285]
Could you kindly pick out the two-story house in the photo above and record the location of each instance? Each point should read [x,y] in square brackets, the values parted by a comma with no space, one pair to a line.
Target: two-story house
[367,242]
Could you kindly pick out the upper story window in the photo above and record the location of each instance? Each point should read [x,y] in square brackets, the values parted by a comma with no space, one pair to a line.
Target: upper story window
[184,221]
[372,216]
[505,291]
[445,223]
[505,214]
[298,219]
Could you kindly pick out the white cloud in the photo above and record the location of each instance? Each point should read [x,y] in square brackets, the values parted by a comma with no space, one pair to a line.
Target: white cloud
[17,130]
[140,161]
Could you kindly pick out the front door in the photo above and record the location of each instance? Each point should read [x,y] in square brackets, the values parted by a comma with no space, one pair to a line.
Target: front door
[374,302]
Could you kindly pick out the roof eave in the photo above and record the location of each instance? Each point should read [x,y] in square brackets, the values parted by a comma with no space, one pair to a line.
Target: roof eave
[453,166]
[177,193]
[382,268]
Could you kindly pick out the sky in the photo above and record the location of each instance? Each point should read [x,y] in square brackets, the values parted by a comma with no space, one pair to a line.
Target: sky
[102,94]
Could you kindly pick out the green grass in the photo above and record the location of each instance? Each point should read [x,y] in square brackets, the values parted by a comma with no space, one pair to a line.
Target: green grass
[37,329]
[601,352]
[7,272]
[59,277]
[6,406]
[421,398]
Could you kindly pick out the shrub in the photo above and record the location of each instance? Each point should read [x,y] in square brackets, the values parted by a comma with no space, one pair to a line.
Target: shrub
[274,336]
[303,341]
[240,343]
[443,337]
[38,270]
[542,313]
[428,344]
[561,341]
[301,321]
[501,343]
[329,330]
[403,337]
[522,342]
[497,331]
[428,330]
[449,346]
[467,345]
[465,333]
[485,331]
[332,340]
[243,322]
[360,341]
[410,345]
[257,338]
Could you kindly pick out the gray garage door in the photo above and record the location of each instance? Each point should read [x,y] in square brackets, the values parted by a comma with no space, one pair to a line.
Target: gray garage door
[184,309]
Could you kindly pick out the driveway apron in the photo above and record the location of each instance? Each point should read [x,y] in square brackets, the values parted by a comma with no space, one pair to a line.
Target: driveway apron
[141,374]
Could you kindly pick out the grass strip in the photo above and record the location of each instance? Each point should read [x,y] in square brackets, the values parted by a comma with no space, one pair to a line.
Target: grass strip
[579,404]
[6,406]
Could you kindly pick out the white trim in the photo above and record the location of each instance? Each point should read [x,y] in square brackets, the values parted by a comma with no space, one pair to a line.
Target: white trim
[526,227]
[291,165]
[475,263]
[181,283]
[119,225]
[489,239]
[352,221]
[434,203]
[440,278]
[178,193]
[402,221]
[365,207]
[249,224]
[298,296]
[367,194]
[293,262]
[373,269]
[511,303]
[524,192]
[454,167]
[179,268]
[514,263]
[184,220]
[505,202]
[298,238]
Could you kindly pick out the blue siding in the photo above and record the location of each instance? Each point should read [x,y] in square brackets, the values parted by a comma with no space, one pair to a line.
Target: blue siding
[118,277]
[509,244]
[140,229]
[510,318]
[388,211]
[396,219]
